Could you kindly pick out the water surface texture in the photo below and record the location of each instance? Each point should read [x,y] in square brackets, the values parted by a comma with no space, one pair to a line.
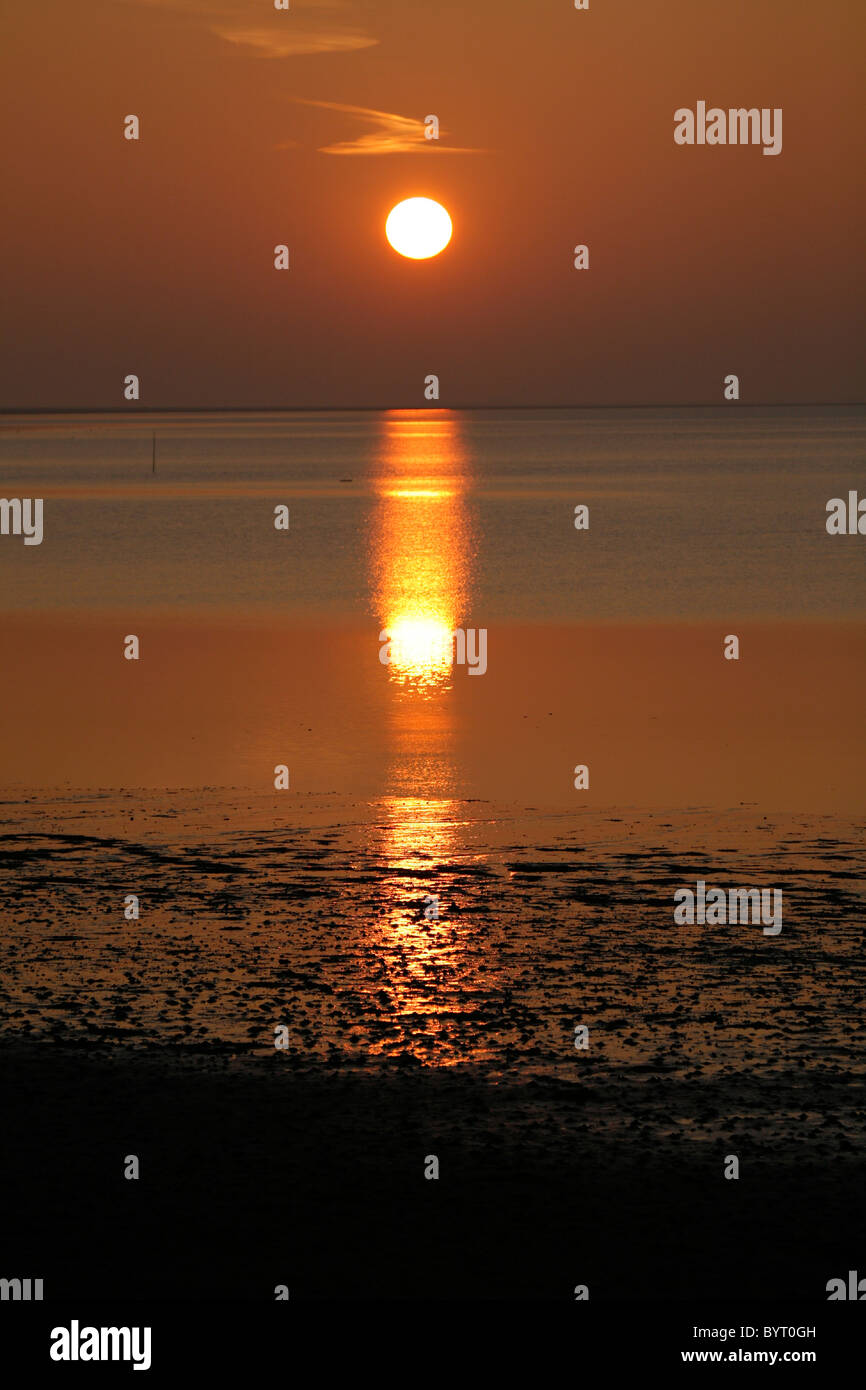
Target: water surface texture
[694,513]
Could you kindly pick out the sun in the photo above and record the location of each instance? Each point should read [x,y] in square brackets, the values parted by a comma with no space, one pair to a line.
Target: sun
[418,228]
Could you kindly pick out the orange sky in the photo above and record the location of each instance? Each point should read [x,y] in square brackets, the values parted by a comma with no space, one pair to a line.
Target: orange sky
[156,257]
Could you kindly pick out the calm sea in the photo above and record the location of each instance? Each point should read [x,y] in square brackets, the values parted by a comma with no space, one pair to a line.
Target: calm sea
[452,517]
[424,781]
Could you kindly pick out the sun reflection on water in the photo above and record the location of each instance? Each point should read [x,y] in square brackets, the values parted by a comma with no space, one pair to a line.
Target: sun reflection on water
[420,556]
[438,970]
[421,547]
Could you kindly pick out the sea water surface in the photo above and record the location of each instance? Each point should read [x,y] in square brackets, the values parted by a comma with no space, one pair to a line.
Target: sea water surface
[603,645]
[415,784]
[693,513]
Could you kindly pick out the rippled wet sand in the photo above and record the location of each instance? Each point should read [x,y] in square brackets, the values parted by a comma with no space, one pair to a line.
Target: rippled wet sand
[313,915]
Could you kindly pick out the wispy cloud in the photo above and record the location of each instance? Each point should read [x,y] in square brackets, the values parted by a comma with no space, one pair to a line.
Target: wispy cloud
[391,134]
[310,26]
[264,44]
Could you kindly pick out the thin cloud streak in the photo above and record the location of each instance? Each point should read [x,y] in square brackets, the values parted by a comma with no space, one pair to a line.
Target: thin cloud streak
[394,134]
[290,33]
[265,44]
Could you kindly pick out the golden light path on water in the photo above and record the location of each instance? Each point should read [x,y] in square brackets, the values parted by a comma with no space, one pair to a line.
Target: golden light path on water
[422,547]
[420,559]
[439,968]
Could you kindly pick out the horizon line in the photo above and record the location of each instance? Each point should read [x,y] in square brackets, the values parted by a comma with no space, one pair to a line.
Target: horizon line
[361,409]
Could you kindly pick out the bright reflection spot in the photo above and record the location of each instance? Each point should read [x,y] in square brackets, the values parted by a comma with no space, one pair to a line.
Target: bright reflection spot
[421,648]
[421,547]
[436,969]
[416,492]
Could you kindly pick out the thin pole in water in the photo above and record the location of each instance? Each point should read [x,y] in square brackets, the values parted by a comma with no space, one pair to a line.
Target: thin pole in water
[153,460]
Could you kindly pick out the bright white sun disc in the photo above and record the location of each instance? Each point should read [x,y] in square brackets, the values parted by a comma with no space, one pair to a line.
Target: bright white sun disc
[418,228]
